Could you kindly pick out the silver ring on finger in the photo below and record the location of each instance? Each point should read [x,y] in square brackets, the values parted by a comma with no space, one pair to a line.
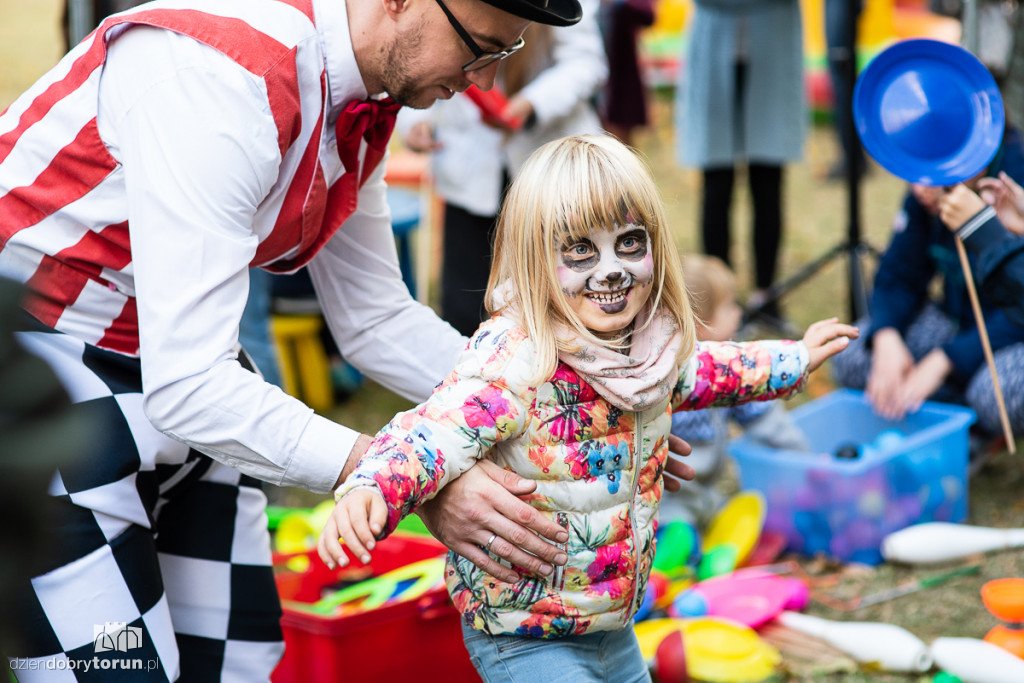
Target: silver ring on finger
[489,542]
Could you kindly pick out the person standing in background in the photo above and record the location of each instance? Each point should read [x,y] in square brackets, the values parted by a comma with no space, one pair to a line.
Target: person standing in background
[838,16]
[623,100]
[741,100]
[551,85]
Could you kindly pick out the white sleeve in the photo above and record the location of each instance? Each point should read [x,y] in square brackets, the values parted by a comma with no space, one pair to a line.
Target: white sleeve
[378,326]
[199,150]
[579,68]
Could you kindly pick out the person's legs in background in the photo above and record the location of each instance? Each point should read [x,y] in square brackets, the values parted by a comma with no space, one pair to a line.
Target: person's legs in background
[766,195]
[715,209]
[837,18]
[466,267]
[981,394]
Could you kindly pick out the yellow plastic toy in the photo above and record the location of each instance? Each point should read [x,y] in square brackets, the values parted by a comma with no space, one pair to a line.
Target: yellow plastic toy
[717,650]
[732,534]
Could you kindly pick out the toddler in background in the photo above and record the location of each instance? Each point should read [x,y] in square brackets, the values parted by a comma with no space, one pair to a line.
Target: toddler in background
[571,383]
[712,289]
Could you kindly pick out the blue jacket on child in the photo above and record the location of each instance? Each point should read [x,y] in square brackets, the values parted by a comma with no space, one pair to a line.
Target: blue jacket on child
[923,247]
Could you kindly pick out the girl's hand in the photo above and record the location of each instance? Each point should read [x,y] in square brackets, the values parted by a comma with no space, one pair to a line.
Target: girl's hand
[826,338]
[1007,198]
[357,519]
[958,206]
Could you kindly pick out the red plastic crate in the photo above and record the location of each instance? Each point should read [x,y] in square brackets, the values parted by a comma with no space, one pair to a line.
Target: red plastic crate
[417,640]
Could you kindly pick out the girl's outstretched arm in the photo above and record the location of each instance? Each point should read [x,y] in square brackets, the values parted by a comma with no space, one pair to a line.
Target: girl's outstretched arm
[733,373]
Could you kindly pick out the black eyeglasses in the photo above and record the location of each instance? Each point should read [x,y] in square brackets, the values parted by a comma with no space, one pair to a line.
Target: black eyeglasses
[481,58]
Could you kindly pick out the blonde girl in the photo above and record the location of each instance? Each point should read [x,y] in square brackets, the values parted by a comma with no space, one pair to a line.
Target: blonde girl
[571,383]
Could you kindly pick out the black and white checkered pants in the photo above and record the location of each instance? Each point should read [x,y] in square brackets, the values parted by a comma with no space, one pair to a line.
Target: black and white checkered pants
[150,534]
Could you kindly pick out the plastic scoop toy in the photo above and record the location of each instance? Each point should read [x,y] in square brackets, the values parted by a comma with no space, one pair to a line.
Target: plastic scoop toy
[750,600]
[677,543]
[404,583]
[732,534]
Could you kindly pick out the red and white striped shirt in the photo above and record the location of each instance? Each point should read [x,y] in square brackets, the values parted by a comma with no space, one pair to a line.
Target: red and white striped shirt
[172,149]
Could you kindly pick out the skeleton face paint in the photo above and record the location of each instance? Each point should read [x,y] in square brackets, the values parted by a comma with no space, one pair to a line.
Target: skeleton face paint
[608,276]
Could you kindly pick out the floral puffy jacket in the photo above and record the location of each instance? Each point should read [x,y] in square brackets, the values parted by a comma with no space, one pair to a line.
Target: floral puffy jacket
[598,469]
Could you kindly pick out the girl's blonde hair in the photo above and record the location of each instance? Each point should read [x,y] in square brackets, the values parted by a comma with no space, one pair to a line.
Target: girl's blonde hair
[566,188]
[709,282]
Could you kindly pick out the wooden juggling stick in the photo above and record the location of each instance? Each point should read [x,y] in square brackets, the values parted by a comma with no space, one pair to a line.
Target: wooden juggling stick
[986,345]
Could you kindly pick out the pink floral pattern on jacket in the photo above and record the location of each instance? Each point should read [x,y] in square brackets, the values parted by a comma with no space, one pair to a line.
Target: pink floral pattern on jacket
[598,469]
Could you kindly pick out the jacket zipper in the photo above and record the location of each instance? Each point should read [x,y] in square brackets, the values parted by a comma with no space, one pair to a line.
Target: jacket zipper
[638,439]
[558,576]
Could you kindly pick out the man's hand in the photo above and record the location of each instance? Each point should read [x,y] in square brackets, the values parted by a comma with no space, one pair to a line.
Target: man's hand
[674,465]
[480,509]
[420,138]
[891,362]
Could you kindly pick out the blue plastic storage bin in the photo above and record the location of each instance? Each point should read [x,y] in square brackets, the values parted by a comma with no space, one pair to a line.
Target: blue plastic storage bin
[904,472]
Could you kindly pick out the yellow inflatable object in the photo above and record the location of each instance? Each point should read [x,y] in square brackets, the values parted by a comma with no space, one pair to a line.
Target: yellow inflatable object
[724,651]
[740,523]
[297,531]
[717,650]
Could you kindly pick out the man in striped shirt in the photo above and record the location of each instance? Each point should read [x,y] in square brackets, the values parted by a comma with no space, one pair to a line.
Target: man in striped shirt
[181,143]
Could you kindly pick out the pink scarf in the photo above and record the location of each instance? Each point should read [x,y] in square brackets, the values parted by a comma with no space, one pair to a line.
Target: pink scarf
[633,382]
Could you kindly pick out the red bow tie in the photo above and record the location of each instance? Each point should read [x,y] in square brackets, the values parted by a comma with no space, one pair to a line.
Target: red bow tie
[370,120]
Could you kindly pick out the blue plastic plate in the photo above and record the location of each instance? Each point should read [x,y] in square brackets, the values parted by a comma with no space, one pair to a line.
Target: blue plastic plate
[929,112]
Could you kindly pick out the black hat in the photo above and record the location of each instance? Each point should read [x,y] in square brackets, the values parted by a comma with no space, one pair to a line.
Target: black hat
[553,12]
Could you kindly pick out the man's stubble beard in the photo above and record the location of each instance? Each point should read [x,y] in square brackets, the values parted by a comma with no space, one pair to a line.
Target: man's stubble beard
[399,85]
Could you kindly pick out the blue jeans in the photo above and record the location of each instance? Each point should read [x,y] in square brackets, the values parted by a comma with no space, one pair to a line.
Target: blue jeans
[601,657]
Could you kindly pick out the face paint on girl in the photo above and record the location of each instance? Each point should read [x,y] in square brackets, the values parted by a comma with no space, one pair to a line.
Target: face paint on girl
[607,276]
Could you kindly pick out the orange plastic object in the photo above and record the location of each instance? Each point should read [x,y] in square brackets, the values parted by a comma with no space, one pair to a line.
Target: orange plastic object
[1010,639]
[492,104]
[1004,598]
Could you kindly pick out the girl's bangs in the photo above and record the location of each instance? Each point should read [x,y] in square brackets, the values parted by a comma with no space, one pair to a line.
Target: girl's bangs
[603,199]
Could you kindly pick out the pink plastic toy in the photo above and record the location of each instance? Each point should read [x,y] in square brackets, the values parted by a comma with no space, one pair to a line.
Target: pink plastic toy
[749,598]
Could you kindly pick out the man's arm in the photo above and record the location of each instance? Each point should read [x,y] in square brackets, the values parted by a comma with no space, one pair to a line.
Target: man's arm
[199,154]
